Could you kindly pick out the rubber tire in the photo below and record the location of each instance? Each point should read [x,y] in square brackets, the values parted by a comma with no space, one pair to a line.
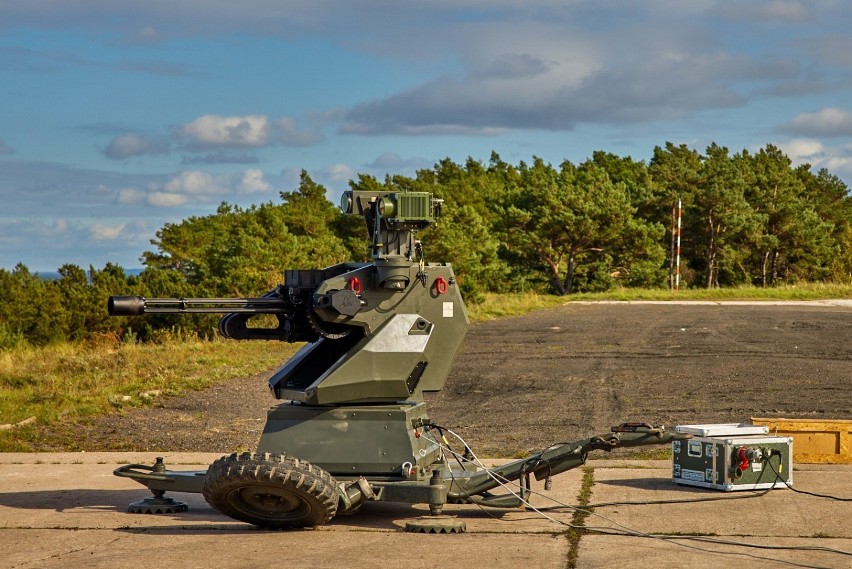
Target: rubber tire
[271,490]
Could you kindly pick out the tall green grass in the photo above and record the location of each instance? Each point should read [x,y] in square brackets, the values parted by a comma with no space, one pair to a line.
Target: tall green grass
[514,304]
[66,383]
[815,291]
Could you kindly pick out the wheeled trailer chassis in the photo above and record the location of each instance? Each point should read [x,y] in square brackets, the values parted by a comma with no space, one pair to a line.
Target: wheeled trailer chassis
[276,490]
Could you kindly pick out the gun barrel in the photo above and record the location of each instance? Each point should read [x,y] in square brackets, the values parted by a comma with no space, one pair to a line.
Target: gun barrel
[138,305]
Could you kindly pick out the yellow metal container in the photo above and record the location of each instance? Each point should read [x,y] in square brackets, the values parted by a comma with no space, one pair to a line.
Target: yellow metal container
[814,442]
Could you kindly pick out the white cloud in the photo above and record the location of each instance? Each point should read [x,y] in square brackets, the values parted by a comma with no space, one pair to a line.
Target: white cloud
[134,144]
[124,146]
[43,244]
[228,132]
[800,150]
[166,199]
[130,196]
[198,183]
[58,228]
[338,173]
[195,187]
[19,237]
[18,231]
[100,232]
[251,131]
[253,182]
[837,159]
[499,65]
[830,121]
[556,75]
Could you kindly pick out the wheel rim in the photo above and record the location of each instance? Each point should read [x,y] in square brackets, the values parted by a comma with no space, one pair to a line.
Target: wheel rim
[270,503]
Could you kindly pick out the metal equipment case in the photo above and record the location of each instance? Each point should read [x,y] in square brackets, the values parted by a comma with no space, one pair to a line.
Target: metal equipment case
[732,457]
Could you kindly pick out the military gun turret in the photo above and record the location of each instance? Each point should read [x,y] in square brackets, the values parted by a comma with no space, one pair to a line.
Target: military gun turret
[352,425]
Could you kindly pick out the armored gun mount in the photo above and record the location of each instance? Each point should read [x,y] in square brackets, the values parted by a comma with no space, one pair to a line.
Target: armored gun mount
[351,425]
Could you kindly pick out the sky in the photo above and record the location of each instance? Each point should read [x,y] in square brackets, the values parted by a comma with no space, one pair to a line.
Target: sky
[118,117]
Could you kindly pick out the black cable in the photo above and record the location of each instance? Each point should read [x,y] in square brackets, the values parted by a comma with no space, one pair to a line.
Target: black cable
[711,539]
[453,478]
[536,461]
[454,453]
[790,486]
[718,541]
[628,532]
[561,506]
[740,496]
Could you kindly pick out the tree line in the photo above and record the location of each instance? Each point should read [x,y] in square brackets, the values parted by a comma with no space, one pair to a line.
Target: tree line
[746,218]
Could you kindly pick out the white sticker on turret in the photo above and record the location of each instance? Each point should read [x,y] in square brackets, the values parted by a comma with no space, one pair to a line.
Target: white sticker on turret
[448,310]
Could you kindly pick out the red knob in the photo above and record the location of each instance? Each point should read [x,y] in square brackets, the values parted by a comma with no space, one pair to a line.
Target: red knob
[744,461]
[355,285]
[441,285]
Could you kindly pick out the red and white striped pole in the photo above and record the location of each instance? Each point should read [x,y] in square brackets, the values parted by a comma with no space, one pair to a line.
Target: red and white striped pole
[677,262]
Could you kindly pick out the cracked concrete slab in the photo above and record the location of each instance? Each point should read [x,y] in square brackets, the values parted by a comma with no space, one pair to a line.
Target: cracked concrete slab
[249,548]
[610,551]
[68,510]
[780,512]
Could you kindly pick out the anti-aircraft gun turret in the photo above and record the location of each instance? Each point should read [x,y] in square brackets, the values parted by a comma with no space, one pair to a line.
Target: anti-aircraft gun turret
[377,332]
[351,425]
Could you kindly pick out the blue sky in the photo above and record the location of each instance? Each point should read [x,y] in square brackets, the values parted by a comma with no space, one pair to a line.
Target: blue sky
[117,117]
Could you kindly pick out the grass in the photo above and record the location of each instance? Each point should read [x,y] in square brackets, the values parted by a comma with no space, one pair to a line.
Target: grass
[812,291]
[512,304]
[580,514]
[660,452]
[67,383]
[515,304]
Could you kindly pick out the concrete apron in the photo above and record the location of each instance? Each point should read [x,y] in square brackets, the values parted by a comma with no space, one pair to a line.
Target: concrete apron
[68,510]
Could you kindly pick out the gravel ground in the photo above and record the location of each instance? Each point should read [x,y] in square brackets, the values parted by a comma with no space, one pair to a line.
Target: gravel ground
[522,383]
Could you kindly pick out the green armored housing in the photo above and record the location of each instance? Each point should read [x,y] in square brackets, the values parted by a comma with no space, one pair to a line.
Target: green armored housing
[351,424]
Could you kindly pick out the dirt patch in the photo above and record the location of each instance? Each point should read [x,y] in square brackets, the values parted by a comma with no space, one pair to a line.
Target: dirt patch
[562,374]
[519,384]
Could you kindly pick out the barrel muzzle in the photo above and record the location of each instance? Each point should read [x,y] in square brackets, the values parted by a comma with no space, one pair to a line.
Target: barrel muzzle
[126,306]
